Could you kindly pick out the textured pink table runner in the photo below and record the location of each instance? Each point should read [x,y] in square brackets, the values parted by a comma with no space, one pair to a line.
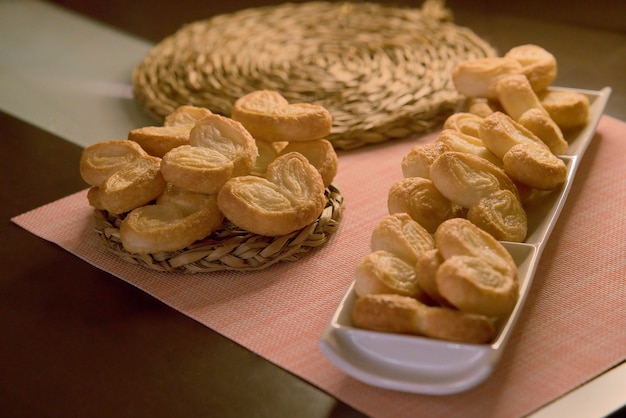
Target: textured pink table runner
[573,326]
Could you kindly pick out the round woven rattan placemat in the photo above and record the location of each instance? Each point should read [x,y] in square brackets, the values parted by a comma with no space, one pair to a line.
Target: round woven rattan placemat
[383,72]
[229,248]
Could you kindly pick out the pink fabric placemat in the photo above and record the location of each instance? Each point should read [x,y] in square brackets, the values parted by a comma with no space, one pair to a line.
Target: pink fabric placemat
[573,326]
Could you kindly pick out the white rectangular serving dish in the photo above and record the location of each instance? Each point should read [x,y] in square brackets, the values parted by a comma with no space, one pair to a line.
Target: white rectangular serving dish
[428,366]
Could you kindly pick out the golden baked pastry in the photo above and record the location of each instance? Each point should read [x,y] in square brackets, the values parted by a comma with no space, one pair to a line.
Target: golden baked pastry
[320,154]
[535,166]
[401,235]
[134,185]
[267,153]
[568,109]
[465,122]
[426,267]
[402,314]
[502,215]
[289,198]
[270,117]
[522,104]
[480,106]
[157,140]
[186,115]
[478,77]
[473,285]
[499,132]
[93,197]
[229,138]
[387,313]
[453,325]
[99,161]
[464,179]
[517,96]
[417,162]
[542,125]
[458,141]
[177,220]
[422,201]
[461,237]
[538,65]
[382,272]
[186,200]
[199,169]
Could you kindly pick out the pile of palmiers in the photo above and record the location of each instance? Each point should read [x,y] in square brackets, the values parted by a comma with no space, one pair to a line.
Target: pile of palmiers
[437,266]
[265,169]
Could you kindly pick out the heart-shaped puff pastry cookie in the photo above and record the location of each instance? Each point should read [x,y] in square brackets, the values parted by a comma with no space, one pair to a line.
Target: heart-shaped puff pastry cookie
[290,197]
[268,116]
[178,219]
[100,161]
[219,148]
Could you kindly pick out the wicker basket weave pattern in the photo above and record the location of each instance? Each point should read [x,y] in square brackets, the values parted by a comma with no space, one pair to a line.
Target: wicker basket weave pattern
[383,72]
[229,248]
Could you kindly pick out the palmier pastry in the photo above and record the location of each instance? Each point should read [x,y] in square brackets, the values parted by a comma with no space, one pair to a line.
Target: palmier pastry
[417,162]
[453,325]
[381,272]
[270,117]
[461,237]
[464,179]
[402,314]
[157,140]
[185,200]
[422,201]
[387,313]
[538,65]
[267,153]
[568,109]
[320,154]
[426,267]
[480,106]
[522,104]
[401,235]
[186,115]
[502,215]
[473,285]
[289,198]
[517,96]
[99,161]
[199,169]
[478,77]
[458,141]
[229,138]
[464,122]
[134,185]
[535,166]
[499,132]
[540,123]
[175,222]
[93,197]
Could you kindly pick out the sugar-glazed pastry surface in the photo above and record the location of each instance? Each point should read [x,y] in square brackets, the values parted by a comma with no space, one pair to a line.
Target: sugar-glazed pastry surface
[178,219]
[289,197]
[99,161]
[270,117]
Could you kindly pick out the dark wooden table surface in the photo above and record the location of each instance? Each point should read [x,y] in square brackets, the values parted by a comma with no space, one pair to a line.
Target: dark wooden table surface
[76,341]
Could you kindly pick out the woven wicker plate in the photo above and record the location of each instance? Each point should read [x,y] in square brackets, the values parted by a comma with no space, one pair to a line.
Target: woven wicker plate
[383,72]
[229,248]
